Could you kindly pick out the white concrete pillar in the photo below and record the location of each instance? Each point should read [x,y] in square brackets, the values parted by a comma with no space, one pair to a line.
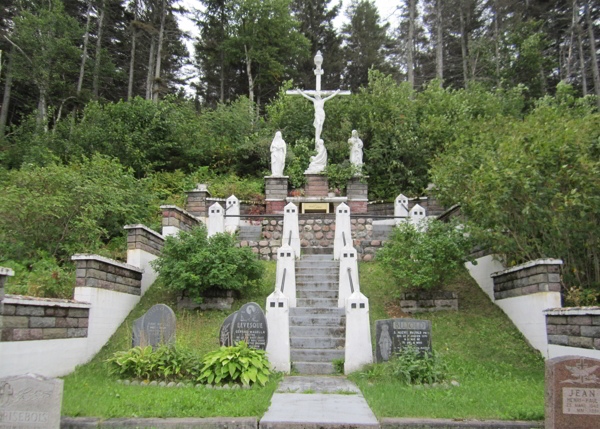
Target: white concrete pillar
[232,207]
[290,227]
[417,217]
[215,220]
[342,228]
[286,269]
[278,322]
[348,261]
[358,349]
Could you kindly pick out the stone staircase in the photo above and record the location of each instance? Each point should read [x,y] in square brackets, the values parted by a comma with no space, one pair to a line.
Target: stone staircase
[317,325]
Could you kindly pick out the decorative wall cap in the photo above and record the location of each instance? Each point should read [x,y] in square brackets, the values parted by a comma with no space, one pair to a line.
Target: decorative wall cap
[179,209]
[46,302]
[358,199]
[529,264]
[88,257]
[277,177]
[200,187]
[217,199]
[145,228]
[316,199]
[572,311]
[6,272]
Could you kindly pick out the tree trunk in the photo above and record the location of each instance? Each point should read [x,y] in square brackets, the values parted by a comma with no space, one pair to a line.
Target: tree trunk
[7,90]
[463,45]
[250,80]
[132,56]
[42,112]
[161,35]
[497,41]
[594,59]
[222,54]
[439,49]
[571,42]
[581,56]
[98,53]
[149,77]
[411,43]
[86,38]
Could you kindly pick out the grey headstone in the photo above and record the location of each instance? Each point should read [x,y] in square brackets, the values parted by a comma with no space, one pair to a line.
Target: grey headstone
[30,401]
[247,324]
[394,335]
[154,328]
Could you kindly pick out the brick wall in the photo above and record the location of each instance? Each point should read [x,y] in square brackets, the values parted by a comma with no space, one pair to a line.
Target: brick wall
[26,319]
[316,185]
[417,302]
[196,202]
[178,218]
[379,208]
[541,275]
[574,327]
[141,237]
[104,273]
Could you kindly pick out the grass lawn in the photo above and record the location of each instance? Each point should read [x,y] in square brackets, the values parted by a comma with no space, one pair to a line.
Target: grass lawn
[91,391]
[500,375]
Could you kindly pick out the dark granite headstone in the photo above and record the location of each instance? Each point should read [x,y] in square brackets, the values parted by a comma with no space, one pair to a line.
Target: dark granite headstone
[154,328]
[394,335]
[247,324]
[572,393]
[30,401]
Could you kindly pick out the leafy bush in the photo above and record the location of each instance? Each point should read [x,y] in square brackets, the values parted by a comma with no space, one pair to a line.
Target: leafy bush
[409,367]
[193,263]
[338,365]
[165,363]
[43,278]
[338,175]
[234,364]
[425,259]
[297,161]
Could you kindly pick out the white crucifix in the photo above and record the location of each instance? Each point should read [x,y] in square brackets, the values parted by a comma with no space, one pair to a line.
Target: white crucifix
[318,100]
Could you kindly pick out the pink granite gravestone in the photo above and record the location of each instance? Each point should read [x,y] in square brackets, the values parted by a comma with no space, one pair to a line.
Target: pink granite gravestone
[572,393]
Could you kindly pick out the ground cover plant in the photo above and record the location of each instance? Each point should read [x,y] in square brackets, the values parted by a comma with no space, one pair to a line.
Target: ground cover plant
[500,375]
[92,392]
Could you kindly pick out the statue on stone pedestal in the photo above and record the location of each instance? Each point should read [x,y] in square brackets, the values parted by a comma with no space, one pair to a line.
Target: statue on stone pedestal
[356,150]
[278,153]
[319,161]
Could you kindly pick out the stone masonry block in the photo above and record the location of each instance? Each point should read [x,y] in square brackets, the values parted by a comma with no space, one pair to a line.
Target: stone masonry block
[559,340]
[28,310]
[78,312]
[583,342]
[9,310]
[54,333]
[573,330]
[557,320]
[42,322]
[579,320]
[590,331]
[15,322]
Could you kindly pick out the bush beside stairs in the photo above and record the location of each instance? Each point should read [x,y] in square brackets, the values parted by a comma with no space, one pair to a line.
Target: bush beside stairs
[317,325]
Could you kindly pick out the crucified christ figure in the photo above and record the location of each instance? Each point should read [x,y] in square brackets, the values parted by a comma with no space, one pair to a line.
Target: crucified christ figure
[319,110]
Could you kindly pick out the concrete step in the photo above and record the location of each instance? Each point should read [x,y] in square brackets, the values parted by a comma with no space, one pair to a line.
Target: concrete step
[317,312]
[317,251]
[301,264]
[318,331]
[317,286]
[317,302]
[314,368]
[316,343]
[317,321]
[308,269]
[316,256]
[313,293]
[317,278]
[316,355]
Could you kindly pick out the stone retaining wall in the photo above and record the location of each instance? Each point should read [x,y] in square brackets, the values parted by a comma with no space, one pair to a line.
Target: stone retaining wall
[26,319]
[177,217]
[417,302]
[574,327]
[142,237]
[104,273]
[541,275]
[380,208]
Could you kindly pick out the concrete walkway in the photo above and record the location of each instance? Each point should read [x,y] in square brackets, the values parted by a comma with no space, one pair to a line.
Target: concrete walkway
[318,402]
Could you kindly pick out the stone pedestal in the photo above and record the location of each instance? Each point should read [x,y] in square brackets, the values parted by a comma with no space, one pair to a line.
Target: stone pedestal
[357,193]
[196,202]
[316,185]
[275,192]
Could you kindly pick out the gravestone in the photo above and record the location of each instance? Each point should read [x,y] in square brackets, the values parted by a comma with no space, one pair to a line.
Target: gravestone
[154,328]
[247,324]
[30,401]
[572,393]
[395,335]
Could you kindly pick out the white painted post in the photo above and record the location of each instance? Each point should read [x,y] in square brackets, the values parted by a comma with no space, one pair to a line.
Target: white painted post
[290,227]
[342,229]
[417,217]
[286,273]
[401,208]
[215,220]
[278,322]
[348,261]
[358,333]
[232,208]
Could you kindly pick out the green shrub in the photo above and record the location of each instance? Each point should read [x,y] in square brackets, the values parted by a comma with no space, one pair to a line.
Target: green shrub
[409,367]
[425,259]
[43,277]
[338,365]
[234,364]
[137,362]
[193,263]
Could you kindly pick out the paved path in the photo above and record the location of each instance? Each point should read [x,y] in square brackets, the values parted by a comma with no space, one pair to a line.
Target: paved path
[329,402]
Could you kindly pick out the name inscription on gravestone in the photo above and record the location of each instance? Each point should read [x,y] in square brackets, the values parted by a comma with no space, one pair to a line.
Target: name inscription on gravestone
[247,324]
[154,328]
[572,392]
[395,335]
[30,402]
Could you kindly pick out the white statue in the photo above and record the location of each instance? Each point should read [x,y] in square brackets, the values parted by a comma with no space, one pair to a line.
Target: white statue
[319,161]
[319,110]
[356,150]
[278,152]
